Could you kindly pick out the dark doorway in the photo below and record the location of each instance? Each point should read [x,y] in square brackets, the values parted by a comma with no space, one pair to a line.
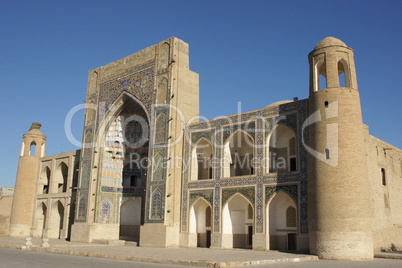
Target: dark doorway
[292,241]
[208,239]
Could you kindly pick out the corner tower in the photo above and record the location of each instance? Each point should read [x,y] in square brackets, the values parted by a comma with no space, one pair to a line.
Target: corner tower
[339,202]
[32,149]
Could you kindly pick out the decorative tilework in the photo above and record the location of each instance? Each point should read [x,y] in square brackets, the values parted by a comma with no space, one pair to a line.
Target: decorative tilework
[291,190]
[292,115]
[139,83]
[160,129]
[289,120]
[248,127]
[106,212]
[85,169]
[206,194]
[156,208]
[158,166]
[208,135]
[82,207]
[247,192]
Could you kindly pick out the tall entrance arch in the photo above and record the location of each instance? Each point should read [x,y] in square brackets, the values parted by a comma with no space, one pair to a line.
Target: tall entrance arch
[282,222]
[124,169]
[237,222]
[200,223]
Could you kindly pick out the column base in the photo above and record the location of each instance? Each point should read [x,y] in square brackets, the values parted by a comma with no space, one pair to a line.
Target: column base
[159,235]
[86,233]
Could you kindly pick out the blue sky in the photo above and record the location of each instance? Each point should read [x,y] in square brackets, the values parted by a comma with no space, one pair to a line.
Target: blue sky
[249,51]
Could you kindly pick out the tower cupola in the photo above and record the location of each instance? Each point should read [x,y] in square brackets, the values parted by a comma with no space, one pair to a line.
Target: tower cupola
[332,65]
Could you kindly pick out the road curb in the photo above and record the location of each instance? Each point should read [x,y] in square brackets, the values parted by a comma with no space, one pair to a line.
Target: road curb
[201,263]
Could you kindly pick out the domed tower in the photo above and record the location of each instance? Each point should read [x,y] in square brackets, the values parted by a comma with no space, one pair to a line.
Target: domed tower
[33,148]
[340,210]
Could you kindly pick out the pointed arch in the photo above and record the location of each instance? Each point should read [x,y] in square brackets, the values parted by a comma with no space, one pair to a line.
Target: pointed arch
[32,148]
[60,178]
[320,75]
[281,150]
[41,219]
[114,110]
[200,215]
[130,218]
[56,223]
[238,155]
[156,205]
[125,135]
[343,73]
[236,222]
[201,157]
[279,211]
[160,128]
[44,181]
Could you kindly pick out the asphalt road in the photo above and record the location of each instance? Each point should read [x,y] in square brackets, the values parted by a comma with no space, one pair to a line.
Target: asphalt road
[19,258]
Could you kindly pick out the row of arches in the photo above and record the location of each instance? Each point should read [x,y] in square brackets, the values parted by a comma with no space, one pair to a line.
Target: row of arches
[321,74]
[238,222]
[32,150]
[52,222]
[57,182]
[239,152]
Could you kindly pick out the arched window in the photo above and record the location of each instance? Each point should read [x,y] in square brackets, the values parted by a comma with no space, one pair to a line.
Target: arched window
[384,182]
[343,73]
[291,217]
[201,168]
[32,150]
[239,155]
[321,76]
[326,104]
[281,150]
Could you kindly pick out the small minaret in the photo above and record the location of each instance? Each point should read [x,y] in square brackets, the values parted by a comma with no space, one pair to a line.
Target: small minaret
[339,210]
[32,149]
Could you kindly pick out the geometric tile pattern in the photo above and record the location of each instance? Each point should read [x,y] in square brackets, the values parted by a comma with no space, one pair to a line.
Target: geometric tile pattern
[247,192]
[206,194]
[258,124]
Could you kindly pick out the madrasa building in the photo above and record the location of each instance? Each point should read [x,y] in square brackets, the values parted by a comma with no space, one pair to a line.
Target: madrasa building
[295,175]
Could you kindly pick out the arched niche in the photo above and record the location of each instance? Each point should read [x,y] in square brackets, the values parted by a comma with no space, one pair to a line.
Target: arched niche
[56,223]
[320,76]
[343,73]
[236,221]
[60,178]
[201,165]
[41,219]
[281,152]
[200,222]
[281,235]
[44,181]
[126,144]
[32,149]
[238,155]
[130,218]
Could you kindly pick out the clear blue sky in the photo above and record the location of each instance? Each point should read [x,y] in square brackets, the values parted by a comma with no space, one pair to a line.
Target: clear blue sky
[249,51]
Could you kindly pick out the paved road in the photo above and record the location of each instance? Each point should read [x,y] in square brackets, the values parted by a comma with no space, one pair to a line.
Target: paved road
[19,258]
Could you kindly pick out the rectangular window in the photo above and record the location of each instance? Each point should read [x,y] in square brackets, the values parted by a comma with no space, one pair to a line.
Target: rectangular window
[293,164]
